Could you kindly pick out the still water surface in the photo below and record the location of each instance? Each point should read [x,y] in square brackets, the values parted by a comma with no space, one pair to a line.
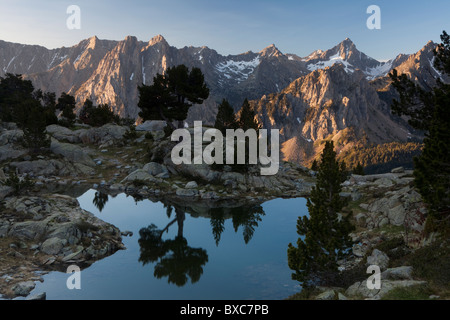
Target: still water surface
[224,254]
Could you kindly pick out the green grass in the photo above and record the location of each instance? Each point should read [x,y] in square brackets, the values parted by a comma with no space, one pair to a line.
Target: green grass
[419,292]
[392,230]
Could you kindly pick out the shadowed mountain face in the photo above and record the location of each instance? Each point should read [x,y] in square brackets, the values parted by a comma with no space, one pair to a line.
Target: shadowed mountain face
[340,93]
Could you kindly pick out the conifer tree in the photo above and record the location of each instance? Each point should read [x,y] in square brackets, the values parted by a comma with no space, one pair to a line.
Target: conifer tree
[359,169]
[172,94]
[225,119]
[429,111]
[247,117]
[315,165]
[324,235]
[66,104]
[31,110]
[16,97]
[35,135]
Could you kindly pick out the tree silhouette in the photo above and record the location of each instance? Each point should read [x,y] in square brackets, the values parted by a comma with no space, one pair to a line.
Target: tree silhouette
[21,104]
[174,258]
[247,117]
[66,104]
[16,99]
[100,199]
[428,110]
[226,118]
[246,217]
[172,94]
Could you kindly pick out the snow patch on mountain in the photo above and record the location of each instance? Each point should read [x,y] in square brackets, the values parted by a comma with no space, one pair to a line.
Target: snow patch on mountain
[379,71]
[330,62]
[434,69]
[240,70]
[7,67]
[143,70]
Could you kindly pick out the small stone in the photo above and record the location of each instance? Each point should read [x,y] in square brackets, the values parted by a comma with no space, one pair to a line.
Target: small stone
[398,170]
[191,185]
[187,192]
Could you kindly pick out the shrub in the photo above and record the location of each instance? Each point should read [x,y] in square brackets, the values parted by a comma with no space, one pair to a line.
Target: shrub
[17,184]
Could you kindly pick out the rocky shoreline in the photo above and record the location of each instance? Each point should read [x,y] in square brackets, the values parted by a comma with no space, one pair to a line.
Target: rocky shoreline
[45,233]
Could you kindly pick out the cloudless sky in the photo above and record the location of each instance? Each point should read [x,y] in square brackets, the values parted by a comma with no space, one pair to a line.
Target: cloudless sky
[232,26]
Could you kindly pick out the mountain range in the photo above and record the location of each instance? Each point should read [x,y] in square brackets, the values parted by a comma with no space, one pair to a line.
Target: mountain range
[340,94]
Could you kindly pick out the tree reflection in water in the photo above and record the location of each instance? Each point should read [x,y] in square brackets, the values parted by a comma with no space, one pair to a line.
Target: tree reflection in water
[100,200]
[174,258]
[246,217]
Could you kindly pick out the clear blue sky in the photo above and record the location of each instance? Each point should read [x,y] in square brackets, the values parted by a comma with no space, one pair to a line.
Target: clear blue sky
[231,26]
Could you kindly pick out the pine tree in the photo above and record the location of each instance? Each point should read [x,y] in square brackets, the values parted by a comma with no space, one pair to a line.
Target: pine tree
[432,167]
[86,111]
[429,111]
[359,169]
[16,97]
[97,116]
[48,101]
[66,104]
[172,94]
[324,235]
[225,119]
[315,165]
[35,135]
[247,117]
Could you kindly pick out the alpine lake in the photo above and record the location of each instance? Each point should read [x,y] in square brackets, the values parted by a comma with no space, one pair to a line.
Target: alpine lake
[187,251]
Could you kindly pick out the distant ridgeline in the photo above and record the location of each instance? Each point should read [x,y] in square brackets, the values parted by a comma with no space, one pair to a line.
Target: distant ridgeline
[384,157]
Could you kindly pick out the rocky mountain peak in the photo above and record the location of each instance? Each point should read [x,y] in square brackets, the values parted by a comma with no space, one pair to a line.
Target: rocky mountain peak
[270,51]
[92,42]
[131,39]
[157,39]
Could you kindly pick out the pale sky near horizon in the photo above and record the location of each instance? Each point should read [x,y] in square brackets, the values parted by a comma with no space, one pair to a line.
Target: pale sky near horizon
[232,27]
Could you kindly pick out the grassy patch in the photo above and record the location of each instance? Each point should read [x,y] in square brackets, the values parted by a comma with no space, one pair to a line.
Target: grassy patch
[353,206]
[432,263]
[419,292]
[390,229]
